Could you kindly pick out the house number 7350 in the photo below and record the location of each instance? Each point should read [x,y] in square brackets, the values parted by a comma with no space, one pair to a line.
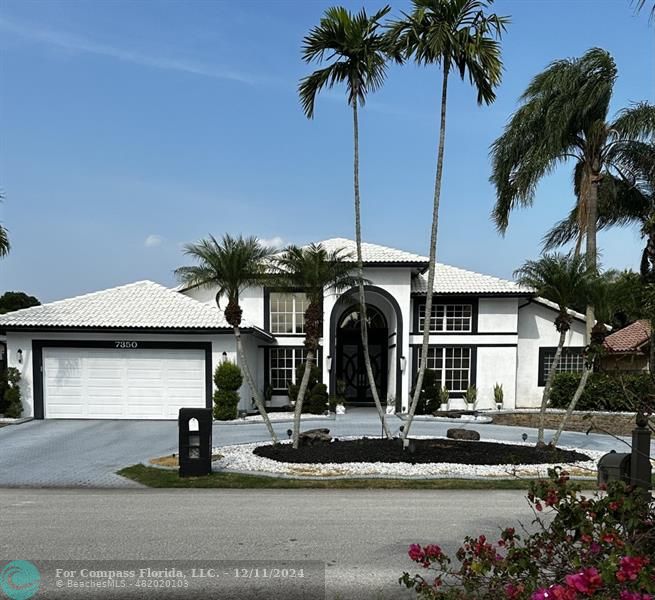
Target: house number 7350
[126,344]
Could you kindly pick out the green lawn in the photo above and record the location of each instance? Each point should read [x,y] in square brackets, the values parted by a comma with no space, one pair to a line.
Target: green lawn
[159,478]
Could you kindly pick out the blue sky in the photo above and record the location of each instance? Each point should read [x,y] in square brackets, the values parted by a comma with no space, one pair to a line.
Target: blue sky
[129,128]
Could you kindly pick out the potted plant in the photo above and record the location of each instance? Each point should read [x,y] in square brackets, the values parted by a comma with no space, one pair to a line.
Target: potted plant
[340,408]
[444,394]
[391,404]
[268,394]
[498,395]
[471,396]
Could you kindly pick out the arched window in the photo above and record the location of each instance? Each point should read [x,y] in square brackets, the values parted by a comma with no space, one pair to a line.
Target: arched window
[374,319]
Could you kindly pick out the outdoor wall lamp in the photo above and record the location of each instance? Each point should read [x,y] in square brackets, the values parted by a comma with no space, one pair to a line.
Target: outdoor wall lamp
[329,363]
[224,356]
[19,356]
[403,364]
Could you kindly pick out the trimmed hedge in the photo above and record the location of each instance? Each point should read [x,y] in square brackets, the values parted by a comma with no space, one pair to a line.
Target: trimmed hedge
[604,391]
[228,380]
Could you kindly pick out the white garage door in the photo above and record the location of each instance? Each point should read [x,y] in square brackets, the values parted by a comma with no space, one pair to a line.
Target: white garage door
[101,383]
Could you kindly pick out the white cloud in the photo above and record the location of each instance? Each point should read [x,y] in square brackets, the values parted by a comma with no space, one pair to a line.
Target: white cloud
[153,240]
[79,44]
[274,242]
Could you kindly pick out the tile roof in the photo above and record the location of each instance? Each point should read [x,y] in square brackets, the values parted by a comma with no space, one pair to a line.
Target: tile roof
[373,253]
[629,339]
[453,280]
[143,304]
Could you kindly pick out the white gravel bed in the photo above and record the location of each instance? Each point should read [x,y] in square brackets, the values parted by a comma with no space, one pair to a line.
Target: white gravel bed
[277,417]
[463,419]
[240,458]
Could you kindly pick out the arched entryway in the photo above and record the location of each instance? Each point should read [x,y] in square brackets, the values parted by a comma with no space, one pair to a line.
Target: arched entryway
[350,365]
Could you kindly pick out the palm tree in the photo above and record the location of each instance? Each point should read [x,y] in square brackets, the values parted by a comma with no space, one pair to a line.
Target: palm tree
[232,264]
[357,52]
[458,36]
[564,117]
[316,271]
[5,246]
[562,279]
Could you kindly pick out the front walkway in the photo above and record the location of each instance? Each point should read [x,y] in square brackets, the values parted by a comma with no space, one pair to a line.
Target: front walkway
[81,453]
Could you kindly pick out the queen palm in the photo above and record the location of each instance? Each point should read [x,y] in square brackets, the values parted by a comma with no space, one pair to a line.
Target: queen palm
[232,265]
[564,117]
[458,36]
[357,52]
[316,271]
[562,279]
[4,242]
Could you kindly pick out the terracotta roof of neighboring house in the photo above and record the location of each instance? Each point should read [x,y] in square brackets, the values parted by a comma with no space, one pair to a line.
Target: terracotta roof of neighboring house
[373,253]
[631,338]
[143,304]
[453,280]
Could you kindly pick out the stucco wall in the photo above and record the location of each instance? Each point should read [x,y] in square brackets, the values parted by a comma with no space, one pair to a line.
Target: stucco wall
[536,330]
[496,365]
[498,315]
[23,341]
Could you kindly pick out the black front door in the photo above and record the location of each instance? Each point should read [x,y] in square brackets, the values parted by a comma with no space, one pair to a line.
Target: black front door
[351,368]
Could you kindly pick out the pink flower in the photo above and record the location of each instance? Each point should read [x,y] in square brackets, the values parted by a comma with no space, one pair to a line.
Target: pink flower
[625,595]
[554,592]
[629,567]
[432,551]
[585,582]
[416,552]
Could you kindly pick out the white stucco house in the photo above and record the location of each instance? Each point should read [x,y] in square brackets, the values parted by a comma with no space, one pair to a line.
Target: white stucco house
[141,351]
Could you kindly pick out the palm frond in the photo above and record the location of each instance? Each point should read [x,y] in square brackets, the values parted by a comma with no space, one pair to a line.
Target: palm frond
[5,246]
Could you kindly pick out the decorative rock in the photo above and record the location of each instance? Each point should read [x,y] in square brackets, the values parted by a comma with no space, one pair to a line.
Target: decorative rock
[463,434]
[311,437]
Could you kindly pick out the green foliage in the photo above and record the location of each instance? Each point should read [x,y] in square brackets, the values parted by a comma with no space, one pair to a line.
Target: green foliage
[604,391]
[317,401]
[13,405]
[499,395]
[334,400]
[228,376]
[11,301]
[444,395]
[309,405]
[598,546]
[471,394]
[228,380]
[429,400]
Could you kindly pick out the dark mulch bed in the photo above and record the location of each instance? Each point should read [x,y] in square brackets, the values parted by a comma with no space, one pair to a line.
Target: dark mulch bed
[422,451]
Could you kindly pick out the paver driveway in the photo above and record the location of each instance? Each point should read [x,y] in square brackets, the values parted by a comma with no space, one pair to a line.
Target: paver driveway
[81,453]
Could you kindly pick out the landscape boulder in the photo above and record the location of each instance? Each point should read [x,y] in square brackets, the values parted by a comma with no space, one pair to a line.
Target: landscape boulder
[463,434]
[311,437]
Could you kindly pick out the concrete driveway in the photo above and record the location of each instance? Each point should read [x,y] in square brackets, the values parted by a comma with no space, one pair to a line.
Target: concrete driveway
[81,453]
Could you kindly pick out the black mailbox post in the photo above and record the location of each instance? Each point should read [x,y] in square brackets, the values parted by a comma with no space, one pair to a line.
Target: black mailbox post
[195,446]
[614,466]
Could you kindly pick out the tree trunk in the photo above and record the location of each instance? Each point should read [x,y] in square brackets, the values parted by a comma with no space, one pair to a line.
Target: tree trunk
[297,411]
[251,384]
[572,404]
[592,251]
[433,255]
[547,388]
[360,275]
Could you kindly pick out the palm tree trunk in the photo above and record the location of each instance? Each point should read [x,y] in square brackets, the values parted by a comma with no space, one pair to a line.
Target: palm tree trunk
[592,250]
[251,384]
[297,411]
[433,255]
[571,407]
[547,388]
[360,274]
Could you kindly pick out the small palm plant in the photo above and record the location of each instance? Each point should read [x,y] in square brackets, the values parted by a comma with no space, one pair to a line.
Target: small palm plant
[232,265]
[562,279]
[471,397]
[499,395]
[357,51]
[316,271]
[444,395]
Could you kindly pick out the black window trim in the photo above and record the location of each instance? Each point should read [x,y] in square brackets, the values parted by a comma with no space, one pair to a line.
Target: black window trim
[473,367]
[267,364]
[541,365]
[441,299]
[267,309]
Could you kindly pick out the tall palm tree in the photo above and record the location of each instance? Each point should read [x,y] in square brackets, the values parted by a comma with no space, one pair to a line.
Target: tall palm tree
[5,246]
[458,36]
[562,279]
[564,117]
[317,271]
[232,264]
[357,52]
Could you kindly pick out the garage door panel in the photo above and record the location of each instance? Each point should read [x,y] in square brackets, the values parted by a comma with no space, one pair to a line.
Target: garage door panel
[122,384]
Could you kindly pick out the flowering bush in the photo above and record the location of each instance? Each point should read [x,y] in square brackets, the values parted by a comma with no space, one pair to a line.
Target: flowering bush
[600,547]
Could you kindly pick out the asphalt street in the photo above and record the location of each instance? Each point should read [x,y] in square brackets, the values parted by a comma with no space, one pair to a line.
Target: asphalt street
[360,536]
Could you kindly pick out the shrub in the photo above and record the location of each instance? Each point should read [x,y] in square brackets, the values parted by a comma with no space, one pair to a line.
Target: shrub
[314,379]
[228,380]
[428,400]
[13,405]
[600,547]
[604,391]
[317,400]
[499,395]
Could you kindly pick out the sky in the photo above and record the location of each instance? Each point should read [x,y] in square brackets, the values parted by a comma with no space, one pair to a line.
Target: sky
[130,128]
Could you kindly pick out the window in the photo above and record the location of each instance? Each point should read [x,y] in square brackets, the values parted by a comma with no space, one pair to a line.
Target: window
[283,363]
[447,317]
[452,365]
[571,361]
[287,312]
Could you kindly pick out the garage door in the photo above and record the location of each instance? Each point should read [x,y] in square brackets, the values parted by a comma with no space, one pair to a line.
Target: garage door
[101,383]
